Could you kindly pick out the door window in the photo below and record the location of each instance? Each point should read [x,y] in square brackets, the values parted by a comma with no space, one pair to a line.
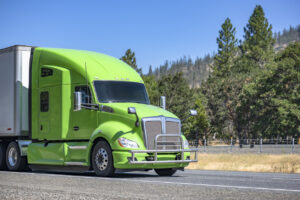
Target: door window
[85,93]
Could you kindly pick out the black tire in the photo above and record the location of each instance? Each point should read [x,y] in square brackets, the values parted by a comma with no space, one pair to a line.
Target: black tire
[165,172]
[2,156]
[102,159]
[14,160]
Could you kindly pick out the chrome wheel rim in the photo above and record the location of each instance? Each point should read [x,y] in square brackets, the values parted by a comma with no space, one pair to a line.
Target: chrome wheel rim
[102,159]
[12,156]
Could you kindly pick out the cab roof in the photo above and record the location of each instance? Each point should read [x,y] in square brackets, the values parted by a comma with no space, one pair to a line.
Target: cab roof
[99,66]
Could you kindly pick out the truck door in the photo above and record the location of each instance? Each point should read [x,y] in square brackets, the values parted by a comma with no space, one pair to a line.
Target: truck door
[84,121]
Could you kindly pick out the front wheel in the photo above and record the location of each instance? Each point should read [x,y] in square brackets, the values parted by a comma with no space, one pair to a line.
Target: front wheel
[165,172]
[14,160]
[102,160]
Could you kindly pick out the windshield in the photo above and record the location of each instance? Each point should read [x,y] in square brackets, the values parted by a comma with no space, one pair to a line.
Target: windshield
[121,91]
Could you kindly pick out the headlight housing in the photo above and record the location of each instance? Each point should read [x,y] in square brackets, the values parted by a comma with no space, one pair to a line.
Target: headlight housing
[186,144]
[123,142]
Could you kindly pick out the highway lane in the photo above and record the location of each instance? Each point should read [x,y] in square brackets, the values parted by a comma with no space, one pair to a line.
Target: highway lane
[190,184]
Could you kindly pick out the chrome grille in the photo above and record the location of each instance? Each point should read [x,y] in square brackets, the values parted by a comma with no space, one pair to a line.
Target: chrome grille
[172,127]
[154,126]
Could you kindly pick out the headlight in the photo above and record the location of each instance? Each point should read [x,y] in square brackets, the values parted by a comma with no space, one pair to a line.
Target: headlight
[127,143]
[186,144]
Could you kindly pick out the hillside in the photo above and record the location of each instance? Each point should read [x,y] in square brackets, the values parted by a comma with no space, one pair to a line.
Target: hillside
[286,37]
[197,71]
[193,71]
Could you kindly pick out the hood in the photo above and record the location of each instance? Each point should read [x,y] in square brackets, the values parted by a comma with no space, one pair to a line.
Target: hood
[142,110]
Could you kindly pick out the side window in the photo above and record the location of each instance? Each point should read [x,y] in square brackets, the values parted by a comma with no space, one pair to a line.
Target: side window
[86,93]
[44,98]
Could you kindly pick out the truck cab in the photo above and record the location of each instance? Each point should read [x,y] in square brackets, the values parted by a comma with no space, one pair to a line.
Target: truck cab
[91,111]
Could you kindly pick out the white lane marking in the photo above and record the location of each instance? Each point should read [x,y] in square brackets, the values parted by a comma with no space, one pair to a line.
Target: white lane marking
[288,179]
[221,186]
[248,175]
[161,182]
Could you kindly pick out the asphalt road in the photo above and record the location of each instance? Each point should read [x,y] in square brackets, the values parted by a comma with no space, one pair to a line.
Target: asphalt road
[191,184]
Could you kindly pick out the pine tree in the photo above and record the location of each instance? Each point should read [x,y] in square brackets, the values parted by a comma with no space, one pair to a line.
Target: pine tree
[259,41]
[130,59]
[150,72]
[179,96]
[227,46]
[270,106]
[152,89]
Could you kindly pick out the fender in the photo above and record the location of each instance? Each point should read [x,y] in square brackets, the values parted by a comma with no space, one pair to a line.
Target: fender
[111,131]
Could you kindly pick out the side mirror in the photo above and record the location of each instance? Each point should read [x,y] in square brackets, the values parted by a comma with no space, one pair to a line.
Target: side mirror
[193,112]
[131,110]
[77,101]
[163,102]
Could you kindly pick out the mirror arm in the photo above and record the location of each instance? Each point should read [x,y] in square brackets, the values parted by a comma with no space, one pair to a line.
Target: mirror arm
[192,113]
[132,110]
[90,106]
[137,124]
[186,118]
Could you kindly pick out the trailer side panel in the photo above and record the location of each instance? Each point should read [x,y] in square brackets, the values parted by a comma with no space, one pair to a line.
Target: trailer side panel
[14,88]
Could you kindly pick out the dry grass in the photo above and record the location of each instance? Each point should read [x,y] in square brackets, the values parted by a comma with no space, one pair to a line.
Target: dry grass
[248,162]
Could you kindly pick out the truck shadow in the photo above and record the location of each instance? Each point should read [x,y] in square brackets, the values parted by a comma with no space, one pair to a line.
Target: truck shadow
[127,175]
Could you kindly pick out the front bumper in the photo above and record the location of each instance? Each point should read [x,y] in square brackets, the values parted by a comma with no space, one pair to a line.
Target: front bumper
[123,159]
[155,160]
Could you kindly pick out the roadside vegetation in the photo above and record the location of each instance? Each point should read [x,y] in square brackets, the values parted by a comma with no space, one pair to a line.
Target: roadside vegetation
[247,90]
[281,163]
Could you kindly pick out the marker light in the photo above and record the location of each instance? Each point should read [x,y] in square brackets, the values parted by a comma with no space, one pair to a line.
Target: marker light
[186,144]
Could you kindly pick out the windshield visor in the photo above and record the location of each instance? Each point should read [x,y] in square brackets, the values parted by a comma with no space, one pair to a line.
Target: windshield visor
[121,91]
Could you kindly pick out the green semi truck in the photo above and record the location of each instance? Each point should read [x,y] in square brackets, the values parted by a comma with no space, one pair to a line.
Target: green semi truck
[63,109]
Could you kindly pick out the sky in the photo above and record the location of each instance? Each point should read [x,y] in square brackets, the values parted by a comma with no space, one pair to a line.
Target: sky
[156,30]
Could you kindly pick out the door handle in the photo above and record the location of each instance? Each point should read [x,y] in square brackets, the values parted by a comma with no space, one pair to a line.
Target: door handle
[76,128]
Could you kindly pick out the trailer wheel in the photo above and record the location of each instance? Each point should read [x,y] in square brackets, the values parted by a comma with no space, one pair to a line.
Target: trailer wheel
[165,172]
[102,160]
[2,156]
[14,160]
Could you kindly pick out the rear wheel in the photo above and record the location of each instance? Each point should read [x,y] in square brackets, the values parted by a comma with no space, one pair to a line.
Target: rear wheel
[165,172]
[102,160]
[2,156]
[14,160]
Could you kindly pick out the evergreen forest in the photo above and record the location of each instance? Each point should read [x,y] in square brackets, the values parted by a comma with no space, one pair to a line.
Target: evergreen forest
[248,89]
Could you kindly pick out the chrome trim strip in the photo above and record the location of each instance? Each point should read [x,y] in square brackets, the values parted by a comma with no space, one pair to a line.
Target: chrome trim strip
[164,132]
[164,151]
[163,125]
[161,161]
[23,146]
[77,147]
[74,163]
